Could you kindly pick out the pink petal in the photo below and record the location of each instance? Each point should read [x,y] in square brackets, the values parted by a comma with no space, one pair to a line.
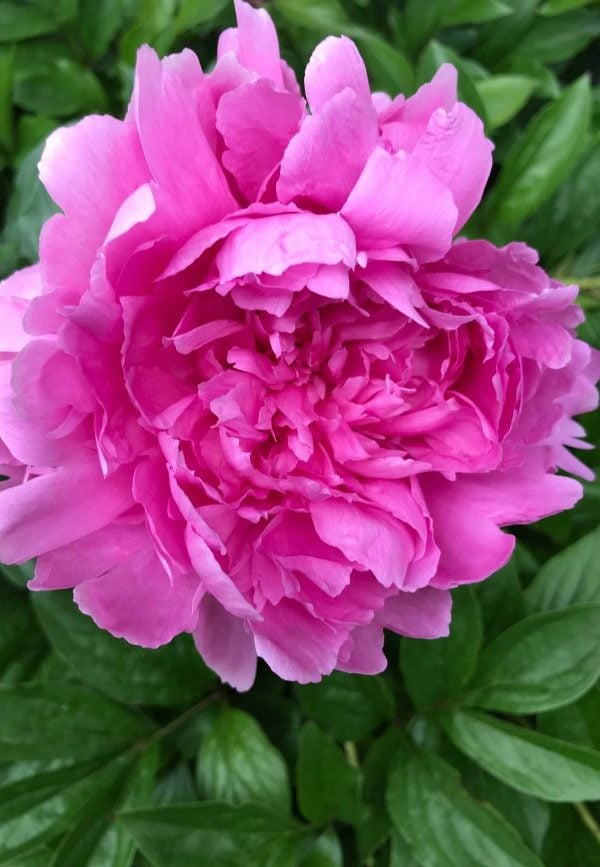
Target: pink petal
[214,579]
[422,614]
[318,165]
[256,122]
[225,644]
[334,65]
[397,200]
[457,152]
[365,651]
[60,507]
[136,600]
[255,42]
[15,293]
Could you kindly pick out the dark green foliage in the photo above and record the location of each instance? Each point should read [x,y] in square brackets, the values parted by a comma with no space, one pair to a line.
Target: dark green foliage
[479,749]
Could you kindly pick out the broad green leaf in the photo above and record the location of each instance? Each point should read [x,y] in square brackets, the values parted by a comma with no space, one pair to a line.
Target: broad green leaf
[557,7]
[20,20]
[237,763]
[32,130]
[569,577]
[542,157]
[498,38]
[400,854]
[324,851]
[28,208]
[19,634]
[528,815]
[348,706]
[372,831]
[504,96]
[421,20]
[95,839]
[170,675]
[214,834]
[377,763]
[97,25]
[534,763]
[321,16]
[191,13]
[554,40]
[443,824]
[501,599]
[578,722]
[176,785]
[543,662]
[63,88]
[7,132]
[473,11]
[435,671]
[568,841]
[38,808]
[57,720]
[327,787]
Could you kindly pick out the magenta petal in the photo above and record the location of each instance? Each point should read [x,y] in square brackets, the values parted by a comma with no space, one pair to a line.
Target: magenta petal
[226,644]
[365,651]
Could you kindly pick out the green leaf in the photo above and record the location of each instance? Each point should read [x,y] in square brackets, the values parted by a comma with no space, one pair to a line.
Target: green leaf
[75,723]
[542,662]
[7,132]
[327,787]
[237,763]
[568,840]
[20,20]
[421,20]
[531,762]
[214,834]
[191,13]
[435,671]
[61,89]
[498,38]
[442,824]
[578,722]
[321,16]
[28,208]
[504,96]
[377,764]
[542,156]
[348,706]
[501,599]
[554,40]
[96,839]
[170,675]
[400,854]
[557,7]
[473,11]
[98,24]
[39,806]
[571,576]
[324,851]
[19,636]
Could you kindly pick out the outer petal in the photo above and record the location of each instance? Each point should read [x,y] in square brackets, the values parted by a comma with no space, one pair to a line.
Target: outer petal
[174,142]
[423,614]
[295,644]
[254,42]
[365,649]
[15,293]
[334,65]
[397,200]
[214,579]
[319,166]
[136,600]
[225,644]
[457,152]
[60,507]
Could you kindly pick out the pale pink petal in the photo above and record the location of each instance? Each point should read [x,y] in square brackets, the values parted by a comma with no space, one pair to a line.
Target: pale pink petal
[397,200]
[422,614]
[334,65]
[455,149]
[214,579]
[15,293]
[318,166]
[365,651]
[257,45]
[226,644]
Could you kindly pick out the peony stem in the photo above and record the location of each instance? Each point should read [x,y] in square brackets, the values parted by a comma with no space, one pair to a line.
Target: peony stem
[588,820]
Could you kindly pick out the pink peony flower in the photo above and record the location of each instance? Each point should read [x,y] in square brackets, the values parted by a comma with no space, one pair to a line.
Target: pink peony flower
[253,391]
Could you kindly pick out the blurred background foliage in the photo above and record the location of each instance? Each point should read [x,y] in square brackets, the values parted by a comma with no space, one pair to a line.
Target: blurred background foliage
[479,749]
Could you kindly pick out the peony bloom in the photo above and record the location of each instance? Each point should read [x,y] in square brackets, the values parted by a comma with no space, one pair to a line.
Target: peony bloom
[253,390]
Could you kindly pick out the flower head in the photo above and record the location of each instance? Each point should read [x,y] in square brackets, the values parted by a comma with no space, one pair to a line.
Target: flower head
[253,390]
